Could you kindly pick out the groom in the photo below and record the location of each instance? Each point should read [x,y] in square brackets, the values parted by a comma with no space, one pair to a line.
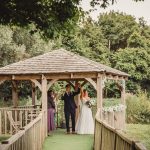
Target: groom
[70,106]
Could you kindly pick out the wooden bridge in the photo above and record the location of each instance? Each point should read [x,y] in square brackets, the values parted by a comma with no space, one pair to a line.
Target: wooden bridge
[28,126]
[33,136]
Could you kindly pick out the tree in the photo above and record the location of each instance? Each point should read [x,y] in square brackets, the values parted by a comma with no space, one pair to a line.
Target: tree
[105,3]
[47,15]
[134,61]
[87,41]
[136,40]
[117,28]
[50,16]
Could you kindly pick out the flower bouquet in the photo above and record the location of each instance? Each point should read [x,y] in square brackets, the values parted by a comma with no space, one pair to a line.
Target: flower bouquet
[89,104]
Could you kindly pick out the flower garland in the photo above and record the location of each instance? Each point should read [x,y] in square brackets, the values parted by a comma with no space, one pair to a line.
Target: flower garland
[117,108]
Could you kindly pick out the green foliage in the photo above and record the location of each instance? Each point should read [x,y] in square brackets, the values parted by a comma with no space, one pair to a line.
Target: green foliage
[116,40]
[4,137]
[139,132]
[49,16]
[136,62]
[117,28]
[18,43]
[108,102]
[106,3]
[138,108]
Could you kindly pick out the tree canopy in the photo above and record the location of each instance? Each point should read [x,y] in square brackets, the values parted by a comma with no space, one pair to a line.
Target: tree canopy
[49,16]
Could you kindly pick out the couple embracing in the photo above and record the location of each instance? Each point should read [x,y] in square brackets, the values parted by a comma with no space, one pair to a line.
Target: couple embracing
[85,123]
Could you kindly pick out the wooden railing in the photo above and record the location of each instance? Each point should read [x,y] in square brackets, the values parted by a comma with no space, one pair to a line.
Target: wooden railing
[29,106]
[115,119]
[30,138]
[108,138]
[21,115]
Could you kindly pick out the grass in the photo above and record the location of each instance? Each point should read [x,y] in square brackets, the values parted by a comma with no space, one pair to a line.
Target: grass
[4,137]
[111,102]
[139,132]
[59,140]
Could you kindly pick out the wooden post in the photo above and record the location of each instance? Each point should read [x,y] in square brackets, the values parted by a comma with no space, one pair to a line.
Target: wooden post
[0,122]
[33,93]
[44,102]
[100,94]
[123,92]
[14,94]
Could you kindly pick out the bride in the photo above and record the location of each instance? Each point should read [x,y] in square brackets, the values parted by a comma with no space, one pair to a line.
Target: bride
[85,123]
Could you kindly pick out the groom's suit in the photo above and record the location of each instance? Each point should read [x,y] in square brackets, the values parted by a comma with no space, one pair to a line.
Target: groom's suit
[70,108]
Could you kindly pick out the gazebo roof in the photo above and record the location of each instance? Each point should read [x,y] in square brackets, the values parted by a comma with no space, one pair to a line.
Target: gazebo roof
[57,61]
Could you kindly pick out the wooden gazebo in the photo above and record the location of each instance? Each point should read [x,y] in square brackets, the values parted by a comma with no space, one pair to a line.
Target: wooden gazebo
[43,71]
[46,69]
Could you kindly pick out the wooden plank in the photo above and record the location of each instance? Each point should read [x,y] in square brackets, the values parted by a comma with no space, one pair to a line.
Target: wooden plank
[5,120]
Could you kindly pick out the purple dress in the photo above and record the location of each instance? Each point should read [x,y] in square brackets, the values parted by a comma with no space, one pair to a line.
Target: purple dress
[51,114]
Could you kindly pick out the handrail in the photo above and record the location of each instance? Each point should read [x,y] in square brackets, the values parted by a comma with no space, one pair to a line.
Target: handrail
[109,138]
[21,116]
[31,137]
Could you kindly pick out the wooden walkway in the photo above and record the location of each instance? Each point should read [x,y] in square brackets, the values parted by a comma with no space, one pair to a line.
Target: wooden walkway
[61,141]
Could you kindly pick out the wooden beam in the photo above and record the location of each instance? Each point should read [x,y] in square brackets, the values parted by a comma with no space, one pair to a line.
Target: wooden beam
[75,75]
[44,101]
[51,83]
[72,75]
[115,77]
[100,94]
[26,77]
[33,93]
[5,77]
[92,82]
[2,81]
[37,83]
[71,83]
[83,83]
[14,94]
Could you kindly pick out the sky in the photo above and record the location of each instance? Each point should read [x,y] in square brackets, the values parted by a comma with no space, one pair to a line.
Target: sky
[136,9]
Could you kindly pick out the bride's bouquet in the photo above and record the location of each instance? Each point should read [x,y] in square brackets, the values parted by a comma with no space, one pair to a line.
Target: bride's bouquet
[89,104]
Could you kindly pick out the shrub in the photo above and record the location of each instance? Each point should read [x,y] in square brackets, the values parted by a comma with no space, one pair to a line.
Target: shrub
[138,108]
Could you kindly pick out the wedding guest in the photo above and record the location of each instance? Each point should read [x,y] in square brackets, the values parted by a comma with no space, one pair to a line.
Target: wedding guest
[51,110]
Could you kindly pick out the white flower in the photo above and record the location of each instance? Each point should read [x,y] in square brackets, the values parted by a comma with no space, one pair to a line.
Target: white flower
[117,108]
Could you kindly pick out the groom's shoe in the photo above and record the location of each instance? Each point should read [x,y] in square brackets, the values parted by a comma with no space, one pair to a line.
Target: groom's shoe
[73,132]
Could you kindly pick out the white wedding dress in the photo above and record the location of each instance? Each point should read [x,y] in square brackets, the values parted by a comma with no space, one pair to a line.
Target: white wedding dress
[85,122]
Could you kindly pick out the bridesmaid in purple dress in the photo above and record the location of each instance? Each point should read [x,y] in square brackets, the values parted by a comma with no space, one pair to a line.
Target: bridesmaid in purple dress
[51,111]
